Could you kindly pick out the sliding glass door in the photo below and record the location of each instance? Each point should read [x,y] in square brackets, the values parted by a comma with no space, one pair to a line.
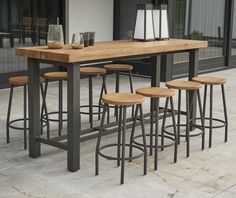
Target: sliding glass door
[233,52]
[200,20]
[25,23]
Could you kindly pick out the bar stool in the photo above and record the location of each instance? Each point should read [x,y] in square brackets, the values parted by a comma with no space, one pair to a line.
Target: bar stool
[91,72]
[156,93]
[213,81]
[60,77]
[123,101]
[188,86]
[117,69]
[15,82]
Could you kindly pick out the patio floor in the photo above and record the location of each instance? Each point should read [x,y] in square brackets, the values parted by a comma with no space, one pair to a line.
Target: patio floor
[208,173]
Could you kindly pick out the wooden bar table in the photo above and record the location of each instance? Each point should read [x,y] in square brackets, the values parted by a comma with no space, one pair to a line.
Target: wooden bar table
[72,59]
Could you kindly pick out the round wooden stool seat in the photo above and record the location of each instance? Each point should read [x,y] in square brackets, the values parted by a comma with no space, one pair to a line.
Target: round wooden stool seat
[209,80]
[21,80]
[183,85]
[123,99]
[155,92]
[56,76]
[118,67]
[92,71]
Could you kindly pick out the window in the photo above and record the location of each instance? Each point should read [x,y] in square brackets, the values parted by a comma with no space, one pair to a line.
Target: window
[234,32]
[25,23]
[200,20]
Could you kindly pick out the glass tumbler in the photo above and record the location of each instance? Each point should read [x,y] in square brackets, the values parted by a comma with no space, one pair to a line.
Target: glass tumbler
[77,41]
[91,38]
[55,37]
[86,39]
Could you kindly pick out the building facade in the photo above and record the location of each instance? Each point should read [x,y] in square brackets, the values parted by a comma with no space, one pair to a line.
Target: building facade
[26,22]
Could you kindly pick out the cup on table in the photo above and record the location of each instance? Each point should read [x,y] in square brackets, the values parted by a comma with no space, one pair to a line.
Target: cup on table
[91,38]
[86,39]
[77,41]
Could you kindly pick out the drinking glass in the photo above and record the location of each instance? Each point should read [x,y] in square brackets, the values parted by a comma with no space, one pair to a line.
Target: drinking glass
[86,39]
[91,38]
[55,37]
[77,41]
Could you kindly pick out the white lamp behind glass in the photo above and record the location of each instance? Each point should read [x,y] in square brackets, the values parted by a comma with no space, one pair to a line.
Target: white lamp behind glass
[160,17]
[144,25]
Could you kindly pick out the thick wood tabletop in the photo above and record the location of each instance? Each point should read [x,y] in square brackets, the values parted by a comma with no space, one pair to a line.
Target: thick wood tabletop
[109,50]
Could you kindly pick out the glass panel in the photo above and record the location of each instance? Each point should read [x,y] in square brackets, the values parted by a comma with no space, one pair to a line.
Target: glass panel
[200,20]
[24,23]
[234,31]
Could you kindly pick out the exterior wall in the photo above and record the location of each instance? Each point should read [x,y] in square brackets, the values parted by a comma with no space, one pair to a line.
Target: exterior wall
[90,15]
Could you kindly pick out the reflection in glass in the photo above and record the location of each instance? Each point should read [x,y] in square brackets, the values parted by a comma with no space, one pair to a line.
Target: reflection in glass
[24,23]
[234,32]
[201,20]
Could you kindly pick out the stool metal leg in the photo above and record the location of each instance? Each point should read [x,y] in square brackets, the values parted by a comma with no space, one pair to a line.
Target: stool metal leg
[174,128]
[132,134]
[9,114]
[117,91]
[123,146]
[211,116]
[44,108]
[91,101]
[156,132]
[225,113]
[179,114]
[119,136]
[202,119]
[99,140]
[204,102]
[144,140]
[187,122]
[103,89]
[131,89]
[25,116]
[151,125]
[164,123]
[60,107]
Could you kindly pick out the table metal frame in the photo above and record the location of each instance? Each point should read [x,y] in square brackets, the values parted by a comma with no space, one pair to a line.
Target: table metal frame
[74,133]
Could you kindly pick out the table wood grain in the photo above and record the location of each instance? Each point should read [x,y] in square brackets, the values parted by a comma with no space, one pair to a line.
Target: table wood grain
[109,50]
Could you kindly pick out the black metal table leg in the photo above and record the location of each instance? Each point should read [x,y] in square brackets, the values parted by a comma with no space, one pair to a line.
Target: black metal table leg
[156,70]
[91,101]
[74,118]
[25,116]
[34,108]
[193,71]
[60,107]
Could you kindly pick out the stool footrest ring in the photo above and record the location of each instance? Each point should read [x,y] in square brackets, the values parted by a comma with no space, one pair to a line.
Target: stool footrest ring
[53,113]
[11,124]
[87,113]
[214,119]
[183,135]
[109,157]
[159,135]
